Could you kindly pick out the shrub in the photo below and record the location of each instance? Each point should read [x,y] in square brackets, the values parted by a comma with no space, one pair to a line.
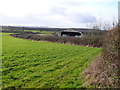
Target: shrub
[105,70]
[95,41]
[111,49]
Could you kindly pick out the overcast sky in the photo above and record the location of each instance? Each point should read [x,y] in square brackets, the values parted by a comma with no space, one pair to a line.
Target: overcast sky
[56,13]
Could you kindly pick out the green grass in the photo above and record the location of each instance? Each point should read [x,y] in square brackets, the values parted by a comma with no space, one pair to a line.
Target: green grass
[42,32]
[38,64]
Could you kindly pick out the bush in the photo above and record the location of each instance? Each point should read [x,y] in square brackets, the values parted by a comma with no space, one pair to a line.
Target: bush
[105,70]
[111,49]
[94,41]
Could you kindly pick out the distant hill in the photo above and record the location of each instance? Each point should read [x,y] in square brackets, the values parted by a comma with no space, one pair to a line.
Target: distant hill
[20,29]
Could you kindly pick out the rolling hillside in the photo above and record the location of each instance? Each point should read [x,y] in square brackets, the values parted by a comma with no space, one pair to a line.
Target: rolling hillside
[38,64]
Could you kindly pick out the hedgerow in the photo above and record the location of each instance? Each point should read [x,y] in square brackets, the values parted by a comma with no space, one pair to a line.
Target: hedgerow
[94,41]
[104,72]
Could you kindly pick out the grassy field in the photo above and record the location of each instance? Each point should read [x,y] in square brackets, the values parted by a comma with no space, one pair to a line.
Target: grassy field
[42,32]
[38,64]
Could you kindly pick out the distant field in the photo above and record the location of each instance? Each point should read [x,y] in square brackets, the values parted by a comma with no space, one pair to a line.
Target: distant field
[42,32]
[38,64]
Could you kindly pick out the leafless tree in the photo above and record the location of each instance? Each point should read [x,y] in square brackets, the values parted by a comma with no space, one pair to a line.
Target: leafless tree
[102,24]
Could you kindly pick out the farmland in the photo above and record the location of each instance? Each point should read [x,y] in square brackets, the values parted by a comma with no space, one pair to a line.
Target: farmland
[40,64]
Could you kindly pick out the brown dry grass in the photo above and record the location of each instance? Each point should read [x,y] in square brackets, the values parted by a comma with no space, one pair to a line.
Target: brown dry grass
[97,74]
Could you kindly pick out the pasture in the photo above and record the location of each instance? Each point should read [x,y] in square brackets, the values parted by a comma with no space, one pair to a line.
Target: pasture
[40,64]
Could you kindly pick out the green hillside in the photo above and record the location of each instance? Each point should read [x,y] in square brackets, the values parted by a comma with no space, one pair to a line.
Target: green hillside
[39,64]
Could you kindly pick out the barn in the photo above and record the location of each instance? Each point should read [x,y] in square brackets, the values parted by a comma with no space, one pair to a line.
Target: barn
[73,33]
[80,32]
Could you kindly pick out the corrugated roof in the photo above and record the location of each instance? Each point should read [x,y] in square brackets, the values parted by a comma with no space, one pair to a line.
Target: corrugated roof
[70,31]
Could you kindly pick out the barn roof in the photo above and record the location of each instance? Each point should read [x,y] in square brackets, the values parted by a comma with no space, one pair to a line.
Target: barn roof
[70,31]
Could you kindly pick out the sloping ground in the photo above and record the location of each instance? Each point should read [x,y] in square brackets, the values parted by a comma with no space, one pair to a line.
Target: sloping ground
[38,64]
[104,72]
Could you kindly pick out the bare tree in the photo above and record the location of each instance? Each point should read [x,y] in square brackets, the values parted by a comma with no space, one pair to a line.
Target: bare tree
[102,24]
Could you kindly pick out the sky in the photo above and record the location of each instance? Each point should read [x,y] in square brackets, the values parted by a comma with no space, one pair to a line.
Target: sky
[57,13]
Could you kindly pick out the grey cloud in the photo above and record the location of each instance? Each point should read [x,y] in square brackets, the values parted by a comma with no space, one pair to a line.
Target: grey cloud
[84,18]
[32,19]
[49,20]
[64,6]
